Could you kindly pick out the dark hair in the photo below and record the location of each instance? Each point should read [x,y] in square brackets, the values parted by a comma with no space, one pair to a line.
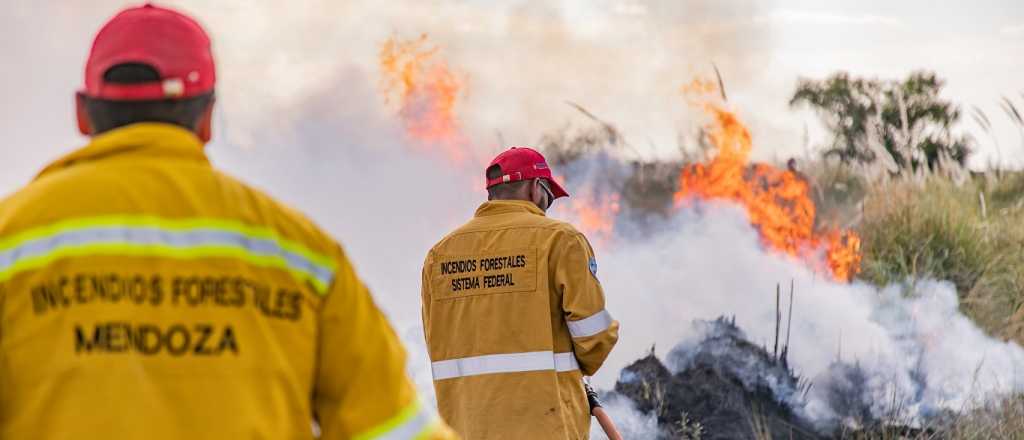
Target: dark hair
[105,115]
[503,191]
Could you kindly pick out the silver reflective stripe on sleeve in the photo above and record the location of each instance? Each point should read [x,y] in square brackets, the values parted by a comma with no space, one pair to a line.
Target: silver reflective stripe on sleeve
[504,363]
[590,325]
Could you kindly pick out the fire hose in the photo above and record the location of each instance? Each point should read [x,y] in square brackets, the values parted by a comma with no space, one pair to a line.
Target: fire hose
[598,411]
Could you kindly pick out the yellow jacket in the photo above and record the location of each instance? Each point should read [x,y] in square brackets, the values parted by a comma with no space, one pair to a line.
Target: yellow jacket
[143,294]
[514,317]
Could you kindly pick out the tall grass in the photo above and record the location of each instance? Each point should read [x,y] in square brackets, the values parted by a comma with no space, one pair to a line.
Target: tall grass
[971,234]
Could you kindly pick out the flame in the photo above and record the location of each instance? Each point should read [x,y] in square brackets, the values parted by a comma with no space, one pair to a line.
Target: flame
[699,87]
[426,91]
[594,213]
[843,254]
[777,201]
[597,217]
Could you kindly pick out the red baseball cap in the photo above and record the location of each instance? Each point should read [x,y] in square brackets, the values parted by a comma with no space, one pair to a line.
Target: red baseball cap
[523,163]
[168,41]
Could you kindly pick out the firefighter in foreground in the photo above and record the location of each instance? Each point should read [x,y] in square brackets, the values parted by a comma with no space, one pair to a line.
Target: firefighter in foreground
[513,313]
[144,294]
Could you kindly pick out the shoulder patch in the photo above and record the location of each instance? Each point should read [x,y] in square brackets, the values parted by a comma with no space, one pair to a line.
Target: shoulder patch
[593,266]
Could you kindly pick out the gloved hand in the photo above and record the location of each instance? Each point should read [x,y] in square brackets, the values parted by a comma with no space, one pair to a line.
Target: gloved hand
[591,397]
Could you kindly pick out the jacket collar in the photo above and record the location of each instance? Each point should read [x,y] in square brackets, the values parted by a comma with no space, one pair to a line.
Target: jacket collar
[497,207]
[147,139]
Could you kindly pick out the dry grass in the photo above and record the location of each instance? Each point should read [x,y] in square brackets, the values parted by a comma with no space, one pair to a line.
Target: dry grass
[1000,420]
[969,231]
[971,234]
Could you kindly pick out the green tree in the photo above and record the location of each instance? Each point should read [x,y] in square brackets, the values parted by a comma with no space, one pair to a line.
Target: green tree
[908,119]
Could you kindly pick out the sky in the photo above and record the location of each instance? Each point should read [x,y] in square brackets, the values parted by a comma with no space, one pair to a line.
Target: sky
[522,61]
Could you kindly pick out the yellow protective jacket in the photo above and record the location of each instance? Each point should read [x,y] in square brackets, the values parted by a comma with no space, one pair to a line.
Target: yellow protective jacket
[144,294]
[514,316]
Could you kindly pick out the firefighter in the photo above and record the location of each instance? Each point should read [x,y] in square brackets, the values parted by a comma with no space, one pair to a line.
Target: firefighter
[144,294]
[513,313]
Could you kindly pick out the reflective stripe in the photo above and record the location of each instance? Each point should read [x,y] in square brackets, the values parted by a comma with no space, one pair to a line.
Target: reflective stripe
[566,362]
[149,236]
[414,422]
[590,325]
[504,363]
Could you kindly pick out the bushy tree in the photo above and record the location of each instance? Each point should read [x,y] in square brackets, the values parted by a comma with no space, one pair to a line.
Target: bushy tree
[904,123]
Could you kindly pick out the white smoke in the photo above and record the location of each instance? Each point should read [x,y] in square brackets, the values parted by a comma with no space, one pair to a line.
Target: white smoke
[939,359]
[912,343]
[632,424]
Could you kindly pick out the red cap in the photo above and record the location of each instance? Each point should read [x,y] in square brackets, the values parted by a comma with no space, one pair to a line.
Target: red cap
[523,163]
[169,41]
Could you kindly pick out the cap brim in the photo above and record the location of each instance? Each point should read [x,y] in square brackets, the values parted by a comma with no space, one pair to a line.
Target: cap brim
[557,189]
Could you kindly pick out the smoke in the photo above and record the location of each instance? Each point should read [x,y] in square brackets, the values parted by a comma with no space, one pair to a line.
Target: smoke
[357,176]
[903,353]
[631,423]
[724,347]
[300,115]
[519,60]
[718,385]
[943,362]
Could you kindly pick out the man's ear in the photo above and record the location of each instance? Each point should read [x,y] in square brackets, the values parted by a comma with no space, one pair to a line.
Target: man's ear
[533,192]
[84,126]
[204,128]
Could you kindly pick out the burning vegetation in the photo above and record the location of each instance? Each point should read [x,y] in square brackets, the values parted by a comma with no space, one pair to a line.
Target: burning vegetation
[723,385]
[778,201]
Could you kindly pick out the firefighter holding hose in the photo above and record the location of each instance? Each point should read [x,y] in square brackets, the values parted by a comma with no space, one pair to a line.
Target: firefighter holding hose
[513,313]
[145,294]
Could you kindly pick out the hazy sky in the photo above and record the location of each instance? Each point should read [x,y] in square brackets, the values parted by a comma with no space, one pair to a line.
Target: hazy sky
[976,46]
[521,61]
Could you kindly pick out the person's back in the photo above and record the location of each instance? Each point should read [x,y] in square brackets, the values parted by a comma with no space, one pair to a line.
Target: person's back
[143,294]
[514,318]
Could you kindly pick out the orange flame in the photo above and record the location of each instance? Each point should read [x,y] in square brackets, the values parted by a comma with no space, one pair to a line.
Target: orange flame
[843,254]
[595,213]
[597,218]
[777,201]
[427,93]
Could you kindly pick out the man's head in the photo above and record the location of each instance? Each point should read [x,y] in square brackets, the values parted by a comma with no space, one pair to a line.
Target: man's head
[148,64]
[521,173]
